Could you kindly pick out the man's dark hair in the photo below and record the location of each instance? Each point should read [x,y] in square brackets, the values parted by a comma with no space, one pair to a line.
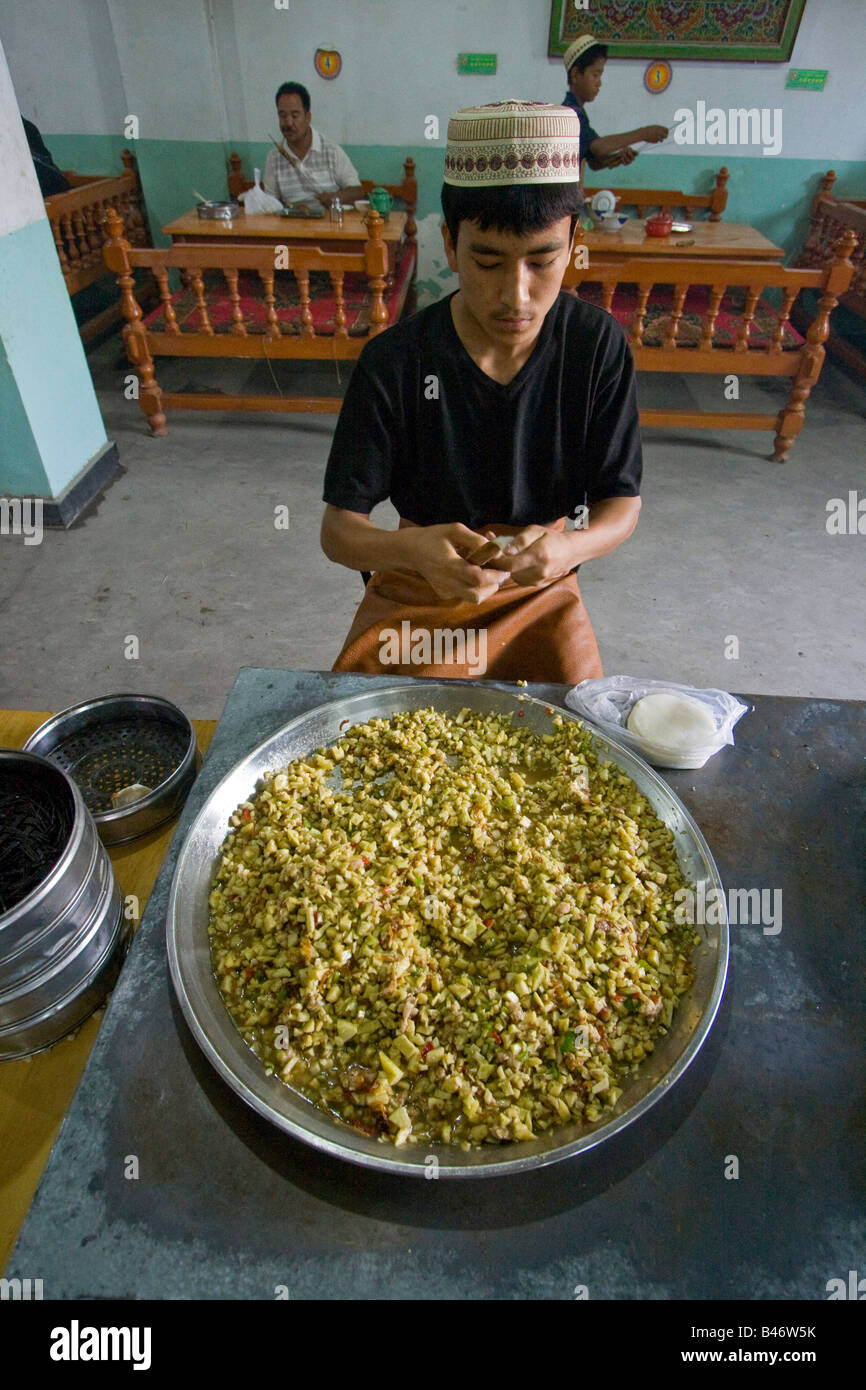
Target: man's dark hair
[516,208]
[293,89]
[598,50]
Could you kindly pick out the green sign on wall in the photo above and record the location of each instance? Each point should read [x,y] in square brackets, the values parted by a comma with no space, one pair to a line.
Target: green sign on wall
[810,79]
[477,63]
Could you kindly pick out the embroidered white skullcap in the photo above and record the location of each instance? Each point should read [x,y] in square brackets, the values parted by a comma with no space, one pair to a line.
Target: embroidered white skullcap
[574,50]
[513,142]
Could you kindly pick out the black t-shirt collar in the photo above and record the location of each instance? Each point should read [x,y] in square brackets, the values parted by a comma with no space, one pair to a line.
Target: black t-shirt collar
[533,363]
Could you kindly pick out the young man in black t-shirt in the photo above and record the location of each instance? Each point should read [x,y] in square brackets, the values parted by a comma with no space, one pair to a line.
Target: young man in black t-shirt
[501,410]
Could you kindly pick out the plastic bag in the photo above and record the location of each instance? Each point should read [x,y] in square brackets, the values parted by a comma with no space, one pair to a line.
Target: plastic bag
[608,703]
[256,199]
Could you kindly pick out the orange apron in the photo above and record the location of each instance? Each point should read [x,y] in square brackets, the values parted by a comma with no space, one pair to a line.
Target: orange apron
[403,628]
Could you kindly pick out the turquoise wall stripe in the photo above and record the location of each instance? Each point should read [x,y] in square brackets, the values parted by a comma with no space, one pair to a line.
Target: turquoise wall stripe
[771,193]
[45,360]
[88,154]
[21,471]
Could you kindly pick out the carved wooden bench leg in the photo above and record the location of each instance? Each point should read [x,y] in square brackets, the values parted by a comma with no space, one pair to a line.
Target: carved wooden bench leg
[150,401]
[812,353]
[793,413]
[149,392]
[134,336]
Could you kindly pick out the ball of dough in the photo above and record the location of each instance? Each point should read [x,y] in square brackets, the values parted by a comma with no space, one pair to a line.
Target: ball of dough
[670,720]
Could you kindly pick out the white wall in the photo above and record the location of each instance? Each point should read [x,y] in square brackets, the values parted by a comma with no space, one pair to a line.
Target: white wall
[21,203]
[64,64]
[208,69]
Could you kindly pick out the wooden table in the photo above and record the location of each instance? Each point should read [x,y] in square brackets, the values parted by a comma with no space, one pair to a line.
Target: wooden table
[35,1092]
[709,240]
[270,228]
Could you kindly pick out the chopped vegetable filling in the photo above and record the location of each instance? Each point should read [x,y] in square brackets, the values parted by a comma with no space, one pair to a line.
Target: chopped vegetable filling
[424,928]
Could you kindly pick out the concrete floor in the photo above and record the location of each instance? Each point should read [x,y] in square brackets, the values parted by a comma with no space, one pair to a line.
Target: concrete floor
[183,554]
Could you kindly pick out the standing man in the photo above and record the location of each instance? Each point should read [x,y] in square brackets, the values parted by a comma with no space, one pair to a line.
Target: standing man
[584,62]
[500,410]
[312,168]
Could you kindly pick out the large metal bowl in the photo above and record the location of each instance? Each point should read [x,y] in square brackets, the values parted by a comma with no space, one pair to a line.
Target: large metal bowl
[223,1045]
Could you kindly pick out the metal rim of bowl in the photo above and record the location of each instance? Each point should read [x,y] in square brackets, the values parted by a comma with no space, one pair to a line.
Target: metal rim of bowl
[243,1070]
[215,210]
[110,824]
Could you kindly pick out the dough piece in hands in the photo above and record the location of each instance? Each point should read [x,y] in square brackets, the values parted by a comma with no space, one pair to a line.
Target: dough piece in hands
[494,547]
[670,720]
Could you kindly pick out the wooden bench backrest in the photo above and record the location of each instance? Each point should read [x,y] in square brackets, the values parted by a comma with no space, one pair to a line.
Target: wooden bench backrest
[646,200]
[826,191]
[77,219]
[231,259]
[219,256]
[830,220]
[753,276]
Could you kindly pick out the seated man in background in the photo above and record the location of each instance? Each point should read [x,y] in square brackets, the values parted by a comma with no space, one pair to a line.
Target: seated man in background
[584,62]
[312,168]
[51,179]
[498,411]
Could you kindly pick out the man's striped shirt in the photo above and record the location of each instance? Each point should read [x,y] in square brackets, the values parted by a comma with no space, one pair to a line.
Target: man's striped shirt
[325,169]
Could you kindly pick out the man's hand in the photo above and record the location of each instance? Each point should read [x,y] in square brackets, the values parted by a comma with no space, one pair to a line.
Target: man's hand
[610,161]
[628,155]
[439,555]
[655,133]
[538,556]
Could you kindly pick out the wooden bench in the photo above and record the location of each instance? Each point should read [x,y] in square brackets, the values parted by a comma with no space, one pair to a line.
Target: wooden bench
[830,219]
[647,199]
[77,220]
[714,319]
[405,192]
[234,303]
[825,192]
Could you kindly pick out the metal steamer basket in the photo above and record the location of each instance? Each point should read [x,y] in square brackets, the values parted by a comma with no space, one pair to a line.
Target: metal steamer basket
[225,1048]
[61,946]
[117,740]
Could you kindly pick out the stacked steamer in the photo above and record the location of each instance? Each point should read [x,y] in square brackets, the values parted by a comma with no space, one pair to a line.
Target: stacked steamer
[62,932]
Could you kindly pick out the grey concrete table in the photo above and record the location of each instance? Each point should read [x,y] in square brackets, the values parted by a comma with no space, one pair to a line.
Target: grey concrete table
[225,1206]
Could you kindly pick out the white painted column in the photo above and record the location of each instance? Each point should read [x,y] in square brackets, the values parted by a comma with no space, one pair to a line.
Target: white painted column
[52,438]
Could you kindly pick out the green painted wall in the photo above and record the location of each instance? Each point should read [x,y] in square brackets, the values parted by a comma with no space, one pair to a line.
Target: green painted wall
[772,194]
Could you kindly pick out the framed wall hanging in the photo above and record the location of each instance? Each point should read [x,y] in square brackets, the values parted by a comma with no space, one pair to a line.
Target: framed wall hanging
[738,31]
